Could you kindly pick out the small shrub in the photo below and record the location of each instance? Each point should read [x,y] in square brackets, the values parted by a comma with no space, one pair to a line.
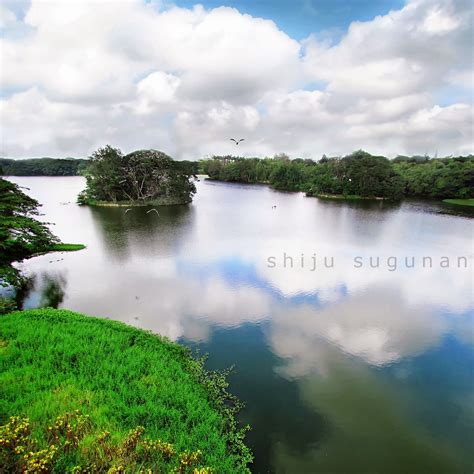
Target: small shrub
[21,451]
[7,305]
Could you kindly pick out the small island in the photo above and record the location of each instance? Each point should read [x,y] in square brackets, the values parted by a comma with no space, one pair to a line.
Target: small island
[141,178]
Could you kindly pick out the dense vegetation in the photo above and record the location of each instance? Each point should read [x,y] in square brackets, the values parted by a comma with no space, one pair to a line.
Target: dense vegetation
[81,394]
[21,235]
[42,167]
[141,177]
[437,178]
[359,175]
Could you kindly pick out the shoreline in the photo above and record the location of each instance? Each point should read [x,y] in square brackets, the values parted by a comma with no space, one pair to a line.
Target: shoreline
[349,197]
[151,203]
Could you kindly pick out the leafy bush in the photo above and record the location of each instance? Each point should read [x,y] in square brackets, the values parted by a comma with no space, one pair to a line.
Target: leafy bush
[7,305]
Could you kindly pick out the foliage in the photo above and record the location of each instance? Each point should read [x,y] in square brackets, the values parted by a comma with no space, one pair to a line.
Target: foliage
[42,166]
[438,178]
[7,305]
[125,382]
[20,450]
[140,177]
[358,175]
[21,235]
[366,175]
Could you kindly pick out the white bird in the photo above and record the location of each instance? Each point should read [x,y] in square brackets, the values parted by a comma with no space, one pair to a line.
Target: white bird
[237,141]
[127,210]
[152,210]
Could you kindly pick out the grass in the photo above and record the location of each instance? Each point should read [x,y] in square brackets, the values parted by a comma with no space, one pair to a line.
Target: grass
[101,395]
[345,197]
[67,247]
[460,202]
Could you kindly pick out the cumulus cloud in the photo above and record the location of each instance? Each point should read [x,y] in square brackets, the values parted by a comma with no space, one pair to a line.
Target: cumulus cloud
[356,327]
[78,75]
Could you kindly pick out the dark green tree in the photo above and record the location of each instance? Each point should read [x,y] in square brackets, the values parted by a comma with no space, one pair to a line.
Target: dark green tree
[357,174]
[21,235]
[370,176]
[140,177]
[42,166]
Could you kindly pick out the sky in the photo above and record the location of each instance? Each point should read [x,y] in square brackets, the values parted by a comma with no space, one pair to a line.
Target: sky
[306,78]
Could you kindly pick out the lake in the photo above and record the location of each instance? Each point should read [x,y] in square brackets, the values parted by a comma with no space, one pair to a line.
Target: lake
[350,325]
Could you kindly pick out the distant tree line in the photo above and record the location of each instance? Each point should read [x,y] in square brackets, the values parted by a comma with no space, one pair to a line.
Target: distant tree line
[42,166]
[358,174]
[438,177]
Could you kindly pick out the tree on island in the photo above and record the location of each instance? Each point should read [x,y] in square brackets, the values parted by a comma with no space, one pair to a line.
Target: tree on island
[141,177]
[21,235]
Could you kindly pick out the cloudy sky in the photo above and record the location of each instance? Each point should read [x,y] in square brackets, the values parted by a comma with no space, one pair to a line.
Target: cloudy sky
[305,77]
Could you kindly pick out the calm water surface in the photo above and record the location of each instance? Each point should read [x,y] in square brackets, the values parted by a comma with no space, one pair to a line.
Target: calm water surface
[342,369]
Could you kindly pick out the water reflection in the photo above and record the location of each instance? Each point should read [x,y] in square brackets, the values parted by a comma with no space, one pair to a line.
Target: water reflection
[43,290]
[370,430]
[377,326]
[147,232]
[342,369]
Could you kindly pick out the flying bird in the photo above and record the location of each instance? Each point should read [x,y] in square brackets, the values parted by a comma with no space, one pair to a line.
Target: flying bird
[152,210]
[127,210]
[237,141]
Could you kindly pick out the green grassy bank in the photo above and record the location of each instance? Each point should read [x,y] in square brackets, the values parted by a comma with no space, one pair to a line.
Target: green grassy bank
[94,395]
[67,247]
[460,202]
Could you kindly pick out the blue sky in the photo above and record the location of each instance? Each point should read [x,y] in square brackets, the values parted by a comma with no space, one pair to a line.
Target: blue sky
[323,77]
[300,18]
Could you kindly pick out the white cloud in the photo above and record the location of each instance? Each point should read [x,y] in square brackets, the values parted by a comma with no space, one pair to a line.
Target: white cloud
[377,326]
[156,89]
[439,22]
[137,75]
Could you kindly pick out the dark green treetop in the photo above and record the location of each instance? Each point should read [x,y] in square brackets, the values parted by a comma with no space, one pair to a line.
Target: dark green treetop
[140,177]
